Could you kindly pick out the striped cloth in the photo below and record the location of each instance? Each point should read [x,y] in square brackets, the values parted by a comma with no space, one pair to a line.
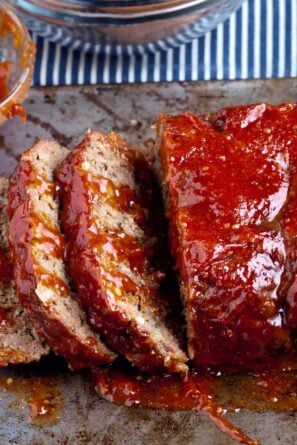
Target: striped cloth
[257,41]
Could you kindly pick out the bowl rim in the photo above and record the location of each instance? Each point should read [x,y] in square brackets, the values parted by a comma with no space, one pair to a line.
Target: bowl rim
[77,4]
[27,50]
[117,11]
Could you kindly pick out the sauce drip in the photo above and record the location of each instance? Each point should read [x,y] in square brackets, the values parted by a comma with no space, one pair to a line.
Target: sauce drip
[42,397]
[166,392]
[214,394]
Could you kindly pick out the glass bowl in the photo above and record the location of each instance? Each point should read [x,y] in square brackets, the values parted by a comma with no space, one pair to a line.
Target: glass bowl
[91,24]
[17,54]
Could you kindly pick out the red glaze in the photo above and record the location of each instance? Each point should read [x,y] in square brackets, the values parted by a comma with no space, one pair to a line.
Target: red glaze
[5,72]
[92,255]
[232,189]
[166,392]
[42,397]
[17,110]
[26,229]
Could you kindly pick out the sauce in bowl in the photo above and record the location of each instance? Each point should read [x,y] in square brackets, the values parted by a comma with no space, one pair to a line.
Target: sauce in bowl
[16,65]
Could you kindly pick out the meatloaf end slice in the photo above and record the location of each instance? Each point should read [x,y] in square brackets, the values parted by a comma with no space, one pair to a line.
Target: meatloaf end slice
[38,253]
[109,249]
[230,183]
[19,342]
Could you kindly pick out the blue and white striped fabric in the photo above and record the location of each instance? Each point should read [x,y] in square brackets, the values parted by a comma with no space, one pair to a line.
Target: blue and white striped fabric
[258,41]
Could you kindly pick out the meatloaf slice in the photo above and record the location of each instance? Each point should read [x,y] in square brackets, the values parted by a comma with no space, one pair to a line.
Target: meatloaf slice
[19,342]
[38,250]
[231,188]
[109,249]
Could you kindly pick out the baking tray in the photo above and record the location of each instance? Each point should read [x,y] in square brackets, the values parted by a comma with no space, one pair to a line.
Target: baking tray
[65,113]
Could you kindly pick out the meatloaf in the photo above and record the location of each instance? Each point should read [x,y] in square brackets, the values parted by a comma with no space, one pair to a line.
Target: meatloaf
[38,250]
[109,249]
[19,342]
[230,181]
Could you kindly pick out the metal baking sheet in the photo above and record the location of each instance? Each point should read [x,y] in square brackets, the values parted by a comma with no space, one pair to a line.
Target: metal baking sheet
[65,114]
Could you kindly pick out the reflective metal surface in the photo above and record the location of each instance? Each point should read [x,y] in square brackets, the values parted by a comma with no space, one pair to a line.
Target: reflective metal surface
[65,114]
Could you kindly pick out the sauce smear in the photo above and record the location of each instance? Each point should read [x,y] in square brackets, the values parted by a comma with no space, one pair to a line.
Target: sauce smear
[42,397]
[168,392]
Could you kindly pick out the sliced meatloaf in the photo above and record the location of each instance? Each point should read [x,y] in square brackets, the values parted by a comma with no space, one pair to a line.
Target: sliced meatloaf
[110,244]
[231,188]
[38,250]
[19,342]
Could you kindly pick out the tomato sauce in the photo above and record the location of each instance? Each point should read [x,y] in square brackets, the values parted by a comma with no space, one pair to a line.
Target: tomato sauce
[9,71]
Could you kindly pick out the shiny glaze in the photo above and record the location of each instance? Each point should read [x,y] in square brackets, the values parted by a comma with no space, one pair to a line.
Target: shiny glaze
[17,110]
[26,229]
[44,233]
[120,197]
[232,198]
[41,396]
[214,394]
[88,241]
[130,388]
[93,255]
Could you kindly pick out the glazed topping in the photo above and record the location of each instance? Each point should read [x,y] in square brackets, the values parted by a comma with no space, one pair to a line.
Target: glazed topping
[120,197]
[45,234]
[231,187]
[107,248]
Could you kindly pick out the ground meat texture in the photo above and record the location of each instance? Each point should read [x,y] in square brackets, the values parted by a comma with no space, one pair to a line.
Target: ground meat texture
[38,250]
[230,182]
[109,249]
[19,342]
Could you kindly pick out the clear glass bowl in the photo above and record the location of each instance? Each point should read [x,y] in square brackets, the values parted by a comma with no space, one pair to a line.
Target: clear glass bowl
[157,24]
[17,50]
